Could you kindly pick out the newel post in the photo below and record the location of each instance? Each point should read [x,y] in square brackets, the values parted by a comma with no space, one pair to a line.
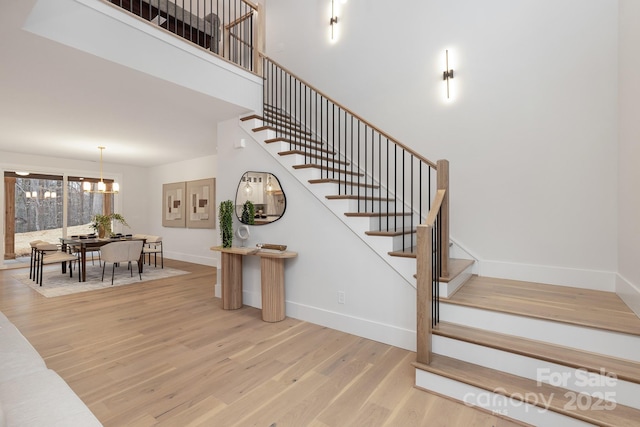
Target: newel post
[424,294]
[443,184]
[259,39]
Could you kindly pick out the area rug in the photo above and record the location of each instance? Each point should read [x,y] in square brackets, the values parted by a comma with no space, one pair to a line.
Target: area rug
[57,284]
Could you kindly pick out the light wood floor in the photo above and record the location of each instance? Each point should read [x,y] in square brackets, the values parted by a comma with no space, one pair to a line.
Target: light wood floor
[165,353]
[584,307]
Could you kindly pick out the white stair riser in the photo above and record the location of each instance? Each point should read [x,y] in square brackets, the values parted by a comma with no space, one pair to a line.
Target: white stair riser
[447,289]
[600,388]
[404,241]
[391,222]
[579,337]
[350,205]
[497,403]
[353,205]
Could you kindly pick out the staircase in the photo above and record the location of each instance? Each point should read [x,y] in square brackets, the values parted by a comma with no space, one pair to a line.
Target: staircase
[545,355]
[373,217]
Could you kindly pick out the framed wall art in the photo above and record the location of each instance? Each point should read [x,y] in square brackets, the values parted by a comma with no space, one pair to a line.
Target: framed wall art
[201,203]
[173,205]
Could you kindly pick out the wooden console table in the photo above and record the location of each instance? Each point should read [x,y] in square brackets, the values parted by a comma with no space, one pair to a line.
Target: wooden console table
[271,279]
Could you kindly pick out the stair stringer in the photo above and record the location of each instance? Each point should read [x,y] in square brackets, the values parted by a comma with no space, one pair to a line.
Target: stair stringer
[405,266]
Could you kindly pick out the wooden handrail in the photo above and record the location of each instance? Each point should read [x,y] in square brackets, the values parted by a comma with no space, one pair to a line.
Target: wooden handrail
[239,20]
[435,208]
[250,4]
[386,135]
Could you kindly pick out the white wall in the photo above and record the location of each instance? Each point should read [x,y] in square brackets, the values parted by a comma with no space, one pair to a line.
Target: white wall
[379,303]
[628,283]
[531,132]
[186,244]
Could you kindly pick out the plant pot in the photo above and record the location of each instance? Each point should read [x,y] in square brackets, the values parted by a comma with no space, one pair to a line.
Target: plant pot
[101,232]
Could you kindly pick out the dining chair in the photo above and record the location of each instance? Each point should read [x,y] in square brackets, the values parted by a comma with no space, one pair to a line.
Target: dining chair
[32,263]
[153,246]
[76,250]
[49,253]
[121,252]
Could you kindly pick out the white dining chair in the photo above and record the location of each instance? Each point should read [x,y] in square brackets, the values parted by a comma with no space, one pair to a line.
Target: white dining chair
[49,253]
[153,246]
[121,252]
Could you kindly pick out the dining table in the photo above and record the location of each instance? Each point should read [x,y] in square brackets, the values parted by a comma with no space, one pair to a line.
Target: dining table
[81,244]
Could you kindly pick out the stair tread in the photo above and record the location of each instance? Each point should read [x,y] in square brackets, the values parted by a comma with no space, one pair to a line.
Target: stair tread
[623,369]
[298,142]
[327,168]
[315,156]
[342,182]
[250,117]
[520,388]
[391,233]
[405,253]
[375,214]
[358,197]
[282,120]
[577,306]
[273,128]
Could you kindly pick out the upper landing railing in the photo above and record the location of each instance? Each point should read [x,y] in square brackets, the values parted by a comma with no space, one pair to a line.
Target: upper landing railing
[228,28]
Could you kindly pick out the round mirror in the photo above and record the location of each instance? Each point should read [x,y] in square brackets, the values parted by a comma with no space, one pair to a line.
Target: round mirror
[259,198]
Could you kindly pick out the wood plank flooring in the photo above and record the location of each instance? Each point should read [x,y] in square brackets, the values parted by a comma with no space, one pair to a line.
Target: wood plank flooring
[604,310]
[164,353]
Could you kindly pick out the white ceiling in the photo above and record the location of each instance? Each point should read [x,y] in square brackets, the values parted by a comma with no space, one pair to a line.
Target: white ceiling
[61,102]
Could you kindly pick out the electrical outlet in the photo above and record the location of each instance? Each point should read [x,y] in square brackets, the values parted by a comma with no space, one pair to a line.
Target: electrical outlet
[340,297]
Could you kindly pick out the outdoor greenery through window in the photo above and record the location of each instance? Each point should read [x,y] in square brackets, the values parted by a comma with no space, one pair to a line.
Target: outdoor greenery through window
[39,209]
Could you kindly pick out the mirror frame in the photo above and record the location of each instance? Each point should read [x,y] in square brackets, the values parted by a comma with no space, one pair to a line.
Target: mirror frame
[260,178]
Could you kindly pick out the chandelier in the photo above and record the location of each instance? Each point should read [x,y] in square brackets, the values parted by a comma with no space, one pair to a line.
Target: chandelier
[102,187]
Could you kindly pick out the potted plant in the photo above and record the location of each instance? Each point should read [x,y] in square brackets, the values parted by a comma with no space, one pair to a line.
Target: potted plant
[248,213]
[225,217]
[102,223]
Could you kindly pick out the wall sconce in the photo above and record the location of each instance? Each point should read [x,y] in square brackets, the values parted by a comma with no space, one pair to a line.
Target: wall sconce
[447,74]
[334,19]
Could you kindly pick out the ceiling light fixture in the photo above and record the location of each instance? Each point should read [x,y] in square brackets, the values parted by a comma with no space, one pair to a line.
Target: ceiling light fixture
[269,187]
[248,190]
[102,187]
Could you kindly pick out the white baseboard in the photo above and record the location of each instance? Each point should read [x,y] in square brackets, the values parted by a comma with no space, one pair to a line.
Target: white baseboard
[629,293]
[573,277]
[387,334]
[195,259]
